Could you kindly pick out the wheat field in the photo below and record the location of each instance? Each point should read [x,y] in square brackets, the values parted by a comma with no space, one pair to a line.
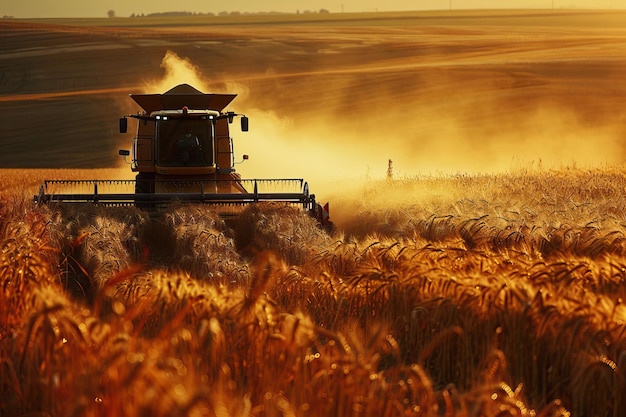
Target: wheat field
[482,295]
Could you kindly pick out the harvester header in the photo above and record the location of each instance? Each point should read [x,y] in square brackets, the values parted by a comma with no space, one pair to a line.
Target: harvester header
[183,151]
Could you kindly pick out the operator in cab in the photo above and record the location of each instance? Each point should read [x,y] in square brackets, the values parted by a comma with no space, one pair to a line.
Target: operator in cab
[188,147]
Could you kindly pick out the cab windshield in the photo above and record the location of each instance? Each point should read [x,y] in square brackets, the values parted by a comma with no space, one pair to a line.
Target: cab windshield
[184,142]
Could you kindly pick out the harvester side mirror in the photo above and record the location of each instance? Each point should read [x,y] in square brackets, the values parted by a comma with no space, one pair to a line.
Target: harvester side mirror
[244,124]
[243,158]
[124,153]
[123,125]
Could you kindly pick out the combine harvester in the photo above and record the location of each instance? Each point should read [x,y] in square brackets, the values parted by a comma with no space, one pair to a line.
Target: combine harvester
[183,152]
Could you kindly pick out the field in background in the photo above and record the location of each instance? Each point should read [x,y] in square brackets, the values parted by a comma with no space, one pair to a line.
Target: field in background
[486,278]
[332,98]
[601,19]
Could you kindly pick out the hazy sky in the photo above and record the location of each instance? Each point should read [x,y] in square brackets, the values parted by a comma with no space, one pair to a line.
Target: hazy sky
[88,8]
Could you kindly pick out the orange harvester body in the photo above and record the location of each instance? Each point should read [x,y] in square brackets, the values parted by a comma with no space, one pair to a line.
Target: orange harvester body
[183,151]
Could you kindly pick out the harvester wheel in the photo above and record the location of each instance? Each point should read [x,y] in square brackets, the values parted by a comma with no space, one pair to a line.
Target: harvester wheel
[144,184]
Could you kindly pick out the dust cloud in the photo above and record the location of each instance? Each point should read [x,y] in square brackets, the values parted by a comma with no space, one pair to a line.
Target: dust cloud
[327,148]
[177,70]
[434,122]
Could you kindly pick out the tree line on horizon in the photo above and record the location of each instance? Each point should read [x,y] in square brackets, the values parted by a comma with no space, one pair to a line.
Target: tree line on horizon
[112,14]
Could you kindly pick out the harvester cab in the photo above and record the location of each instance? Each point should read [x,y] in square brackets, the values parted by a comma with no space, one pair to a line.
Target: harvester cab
[183,151]
[183,143]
